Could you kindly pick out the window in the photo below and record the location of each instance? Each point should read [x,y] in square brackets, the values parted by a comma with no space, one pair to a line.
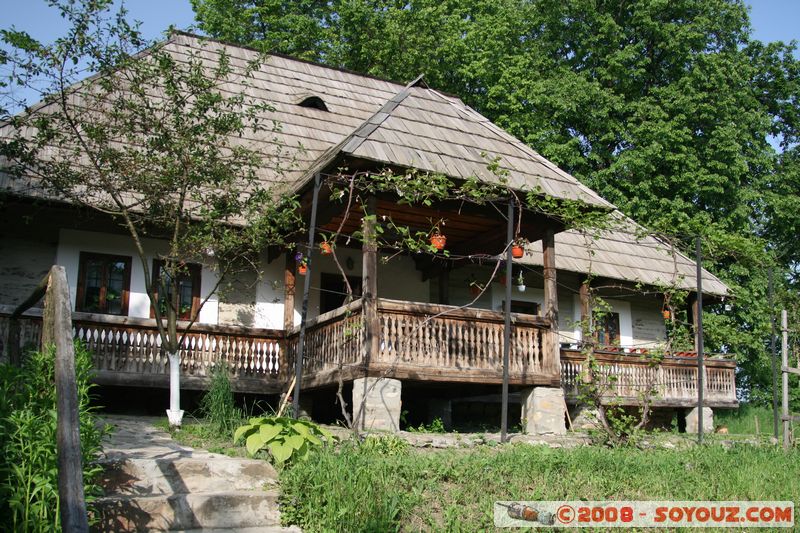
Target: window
[524,308]
[608,330]
[104,283]
[188,285]
[314,102]
[334,291]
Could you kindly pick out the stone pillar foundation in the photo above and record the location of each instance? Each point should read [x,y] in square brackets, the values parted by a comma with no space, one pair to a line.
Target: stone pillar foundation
[543,411]
[381,409]
[692,420]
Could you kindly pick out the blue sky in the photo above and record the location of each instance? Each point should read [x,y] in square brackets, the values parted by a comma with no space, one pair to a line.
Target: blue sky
[772,19]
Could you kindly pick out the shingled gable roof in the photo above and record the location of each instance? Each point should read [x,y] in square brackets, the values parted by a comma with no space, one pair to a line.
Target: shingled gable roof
[418,127]
[424,129]
[627,252]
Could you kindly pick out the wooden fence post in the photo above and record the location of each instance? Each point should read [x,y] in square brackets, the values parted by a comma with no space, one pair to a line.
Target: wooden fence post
[57,331]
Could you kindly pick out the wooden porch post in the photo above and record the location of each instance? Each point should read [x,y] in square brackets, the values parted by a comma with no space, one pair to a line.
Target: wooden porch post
[550,289]
[369,252]
[551,294]
[694,315]
[298,363]
[288,292]
[586,311]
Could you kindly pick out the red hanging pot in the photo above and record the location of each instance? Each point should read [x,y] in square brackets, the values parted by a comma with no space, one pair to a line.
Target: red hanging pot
[325,247]
[438,241]
[517,251]
[302,270]
[666,314]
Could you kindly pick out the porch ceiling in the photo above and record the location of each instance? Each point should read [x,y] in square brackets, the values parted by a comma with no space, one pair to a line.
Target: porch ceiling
[470,229]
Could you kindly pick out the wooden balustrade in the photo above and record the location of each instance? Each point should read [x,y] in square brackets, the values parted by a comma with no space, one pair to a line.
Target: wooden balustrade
[439,342]
[333,341]
[128,350]
[425,342]
[674,379]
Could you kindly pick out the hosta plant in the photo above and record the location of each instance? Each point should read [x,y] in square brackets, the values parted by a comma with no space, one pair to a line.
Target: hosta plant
[286,439]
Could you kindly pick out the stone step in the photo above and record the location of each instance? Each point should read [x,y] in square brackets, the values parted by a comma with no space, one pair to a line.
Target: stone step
[266,529]
[150,477]
[231,510]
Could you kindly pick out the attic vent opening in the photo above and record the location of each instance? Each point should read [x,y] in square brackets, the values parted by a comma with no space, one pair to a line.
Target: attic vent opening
[314,102]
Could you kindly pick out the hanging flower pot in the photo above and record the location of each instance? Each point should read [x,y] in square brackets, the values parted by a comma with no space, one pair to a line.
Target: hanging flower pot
[438,241]
[325,248]
[666,314]
[520,282]
[517,251]
[302,269]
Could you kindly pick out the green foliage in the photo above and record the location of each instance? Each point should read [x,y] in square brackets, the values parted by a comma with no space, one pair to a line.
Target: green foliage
[217,405]
[664,108]
[436,426]
[159,137]
[286,439]
[356,489]
[28,457]
[385,444]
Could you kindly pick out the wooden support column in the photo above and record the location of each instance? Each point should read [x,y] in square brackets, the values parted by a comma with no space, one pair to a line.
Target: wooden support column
[586,310]
[288,292]
[369,252]
[694,315]
[551,293]
[444,286]
[550,288]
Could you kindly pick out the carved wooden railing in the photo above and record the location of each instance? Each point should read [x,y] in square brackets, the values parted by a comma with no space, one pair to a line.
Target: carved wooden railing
[131,346]
[674,379]
[440,337]
[430,342]
[333,340]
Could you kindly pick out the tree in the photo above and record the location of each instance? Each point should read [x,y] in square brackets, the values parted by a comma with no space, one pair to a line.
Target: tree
[155,140]
[665,108]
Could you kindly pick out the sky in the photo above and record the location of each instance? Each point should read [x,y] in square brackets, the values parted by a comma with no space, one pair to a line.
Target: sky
[772,20]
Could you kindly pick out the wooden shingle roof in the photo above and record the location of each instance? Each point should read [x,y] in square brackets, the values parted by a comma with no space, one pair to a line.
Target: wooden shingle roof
[627,252]
[418,127]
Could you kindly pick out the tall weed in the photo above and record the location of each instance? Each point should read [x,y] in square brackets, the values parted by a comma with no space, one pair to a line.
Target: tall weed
[218,406]
[28,455]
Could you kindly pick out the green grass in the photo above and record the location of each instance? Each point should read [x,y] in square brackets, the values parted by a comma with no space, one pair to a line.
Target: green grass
[742,421]
[359,489]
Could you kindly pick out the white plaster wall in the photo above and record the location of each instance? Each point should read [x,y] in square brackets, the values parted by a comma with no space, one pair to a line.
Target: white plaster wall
[397,280]
[72,242]
[270,295]
[648,323]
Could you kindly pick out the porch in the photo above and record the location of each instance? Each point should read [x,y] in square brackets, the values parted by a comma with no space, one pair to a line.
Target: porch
[418,342]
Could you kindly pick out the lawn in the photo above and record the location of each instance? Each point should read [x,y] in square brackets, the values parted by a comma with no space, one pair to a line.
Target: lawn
[356,489]
[390,486]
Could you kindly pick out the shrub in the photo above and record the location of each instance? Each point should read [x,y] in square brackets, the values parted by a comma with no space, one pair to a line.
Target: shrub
[218,406]
[28,462]
[284,438]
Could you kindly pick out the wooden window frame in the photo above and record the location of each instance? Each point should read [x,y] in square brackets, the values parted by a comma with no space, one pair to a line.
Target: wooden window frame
[196,273]
[617,334]
[80,292]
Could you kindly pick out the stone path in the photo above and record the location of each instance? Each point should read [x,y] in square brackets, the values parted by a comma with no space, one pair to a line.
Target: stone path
[152,483]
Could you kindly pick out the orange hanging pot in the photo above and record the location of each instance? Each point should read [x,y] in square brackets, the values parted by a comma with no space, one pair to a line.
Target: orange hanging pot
[666,314]
[517,251]
[438,241]
[325,248]
[302,270]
